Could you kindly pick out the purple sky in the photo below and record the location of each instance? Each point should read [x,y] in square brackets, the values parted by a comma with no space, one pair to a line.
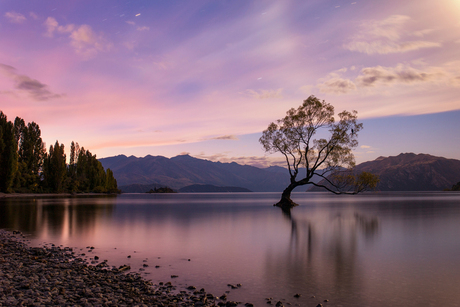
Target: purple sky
[206,77]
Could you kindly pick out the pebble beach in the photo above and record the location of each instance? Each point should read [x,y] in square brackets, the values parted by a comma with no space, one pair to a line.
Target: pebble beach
[55,276]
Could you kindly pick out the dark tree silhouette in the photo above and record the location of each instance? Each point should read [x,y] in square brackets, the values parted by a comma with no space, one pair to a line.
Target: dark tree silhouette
[329,158]
[8,154]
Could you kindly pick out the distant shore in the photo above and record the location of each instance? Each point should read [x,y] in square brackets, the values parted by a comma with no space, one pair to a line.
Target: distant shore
[36,276]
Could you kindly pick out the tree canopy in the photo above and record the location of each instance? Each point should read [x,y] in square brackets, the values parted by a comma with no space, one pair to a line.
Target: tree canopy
[26,167]
[329,156]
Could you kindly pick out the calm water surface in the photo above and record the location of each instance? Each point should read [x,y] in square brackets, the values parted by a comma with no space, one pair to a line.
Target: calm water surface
[384,249]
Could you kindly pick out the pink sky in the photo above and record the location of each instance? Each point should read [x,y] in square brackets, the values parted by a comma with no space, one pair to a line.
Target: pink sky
[206,77]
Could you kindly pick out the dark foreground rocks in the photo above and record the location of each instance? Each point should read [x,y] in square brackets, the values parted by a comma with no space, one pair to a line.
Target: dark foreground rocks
[36,276]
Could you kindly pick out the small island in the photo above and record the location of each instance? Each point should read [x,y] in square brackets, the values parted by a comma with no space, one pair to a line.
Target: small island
[161,190]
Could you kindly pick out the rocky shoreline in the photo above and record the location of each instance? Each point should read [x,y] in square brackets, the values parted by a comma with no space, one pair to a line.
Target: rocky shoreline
[44,276]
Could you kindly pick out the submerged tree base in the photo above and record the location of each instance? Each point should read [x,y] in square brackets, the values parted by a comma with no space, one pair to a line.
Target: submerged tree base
[286,203]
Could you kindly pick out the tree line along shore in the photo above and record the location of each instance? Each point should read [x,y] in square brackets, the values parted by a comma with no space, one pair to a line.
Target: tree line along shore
[26,166]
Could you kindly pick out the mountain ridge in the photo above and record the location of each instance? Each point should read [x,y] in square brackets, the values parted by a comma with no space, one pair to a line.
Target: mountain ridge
[404,172]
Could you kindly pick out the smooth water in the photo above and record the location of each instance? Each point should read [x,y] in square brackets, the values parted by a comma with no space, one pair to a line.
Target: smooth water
[382,249]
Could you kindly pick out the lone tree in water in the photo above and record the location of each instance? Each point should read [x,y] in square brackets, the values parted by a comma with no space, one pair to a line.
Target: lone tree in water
[331,159]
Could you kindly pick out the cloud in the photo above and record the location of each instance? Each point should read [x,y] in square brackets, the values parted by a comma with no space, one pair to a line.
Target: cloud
[257,161]
[130,22]
[15,17]
[33,15]
[84,40]
[376,76]
[87,42]
[225,137]
[337,85]
[32,87]
[52,25]
[365,146]
[371,76]
[387,36]
[382,47]
[422,33]
[143,28]
[265,94]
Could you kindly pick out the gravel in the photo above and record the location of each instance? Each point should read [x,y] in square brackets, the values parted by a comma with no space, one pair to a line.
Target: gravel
[46,276]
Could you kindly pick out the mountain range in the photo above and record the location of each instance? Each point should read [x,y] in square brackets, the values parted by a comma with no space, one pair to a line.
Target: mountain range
[411,172]
[405,172]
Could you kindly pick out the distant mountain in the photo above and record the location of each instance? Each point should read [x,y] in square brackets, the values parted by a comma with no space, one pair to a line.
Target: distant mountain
[412,172]
[205,188]
[184,170]
[405,172]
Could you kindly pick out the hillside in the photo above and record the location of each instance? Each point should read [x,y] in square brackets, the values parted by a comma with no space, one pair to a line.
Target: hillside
[184,170]
[411,172]
[405,172]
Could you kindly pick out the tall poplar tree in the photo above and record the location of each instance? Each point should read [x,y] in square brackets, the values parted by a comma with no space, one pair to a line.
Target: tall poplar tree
[31,152]
[55,168]
[8,153]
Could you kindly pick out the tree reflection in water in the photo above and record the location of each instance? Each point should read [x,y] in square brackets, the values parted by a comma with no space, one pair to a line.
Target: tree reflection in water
[323,253]
[55,217]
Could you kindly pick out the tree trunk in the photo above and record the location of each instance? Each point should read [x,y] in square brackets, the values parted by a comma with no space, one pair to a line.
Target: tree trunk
[286,201]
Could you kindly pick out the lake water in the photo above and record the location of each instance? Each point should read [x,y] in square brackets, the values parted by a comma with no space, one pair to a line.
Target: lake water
[379,249]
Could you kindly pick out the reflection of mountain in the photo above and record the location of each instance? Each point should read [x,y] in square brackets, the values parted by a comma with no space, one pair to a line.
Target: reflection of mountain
[59,217]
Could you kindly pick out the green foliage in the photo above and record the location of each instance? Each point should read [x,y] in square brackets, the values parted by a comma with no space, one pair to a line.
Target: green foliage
[294,137]
[25,166]
[55,168]
[8,154]
[31,154]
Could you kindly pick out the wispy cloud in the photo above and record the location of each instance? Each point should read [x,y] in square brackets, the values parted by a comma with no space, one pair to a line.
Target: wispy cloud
[15,17]
[377,76]
[33,15]
[83,39]
[87,42]
[335,84]
[53,26]
[225,137]
[257,161]
[372,76]
[32,87]
[388,36]
[265,94]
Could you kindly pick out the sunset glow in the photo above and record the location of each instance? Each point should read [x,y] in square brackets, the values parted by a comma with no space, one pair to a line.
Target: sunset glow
[207,77]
